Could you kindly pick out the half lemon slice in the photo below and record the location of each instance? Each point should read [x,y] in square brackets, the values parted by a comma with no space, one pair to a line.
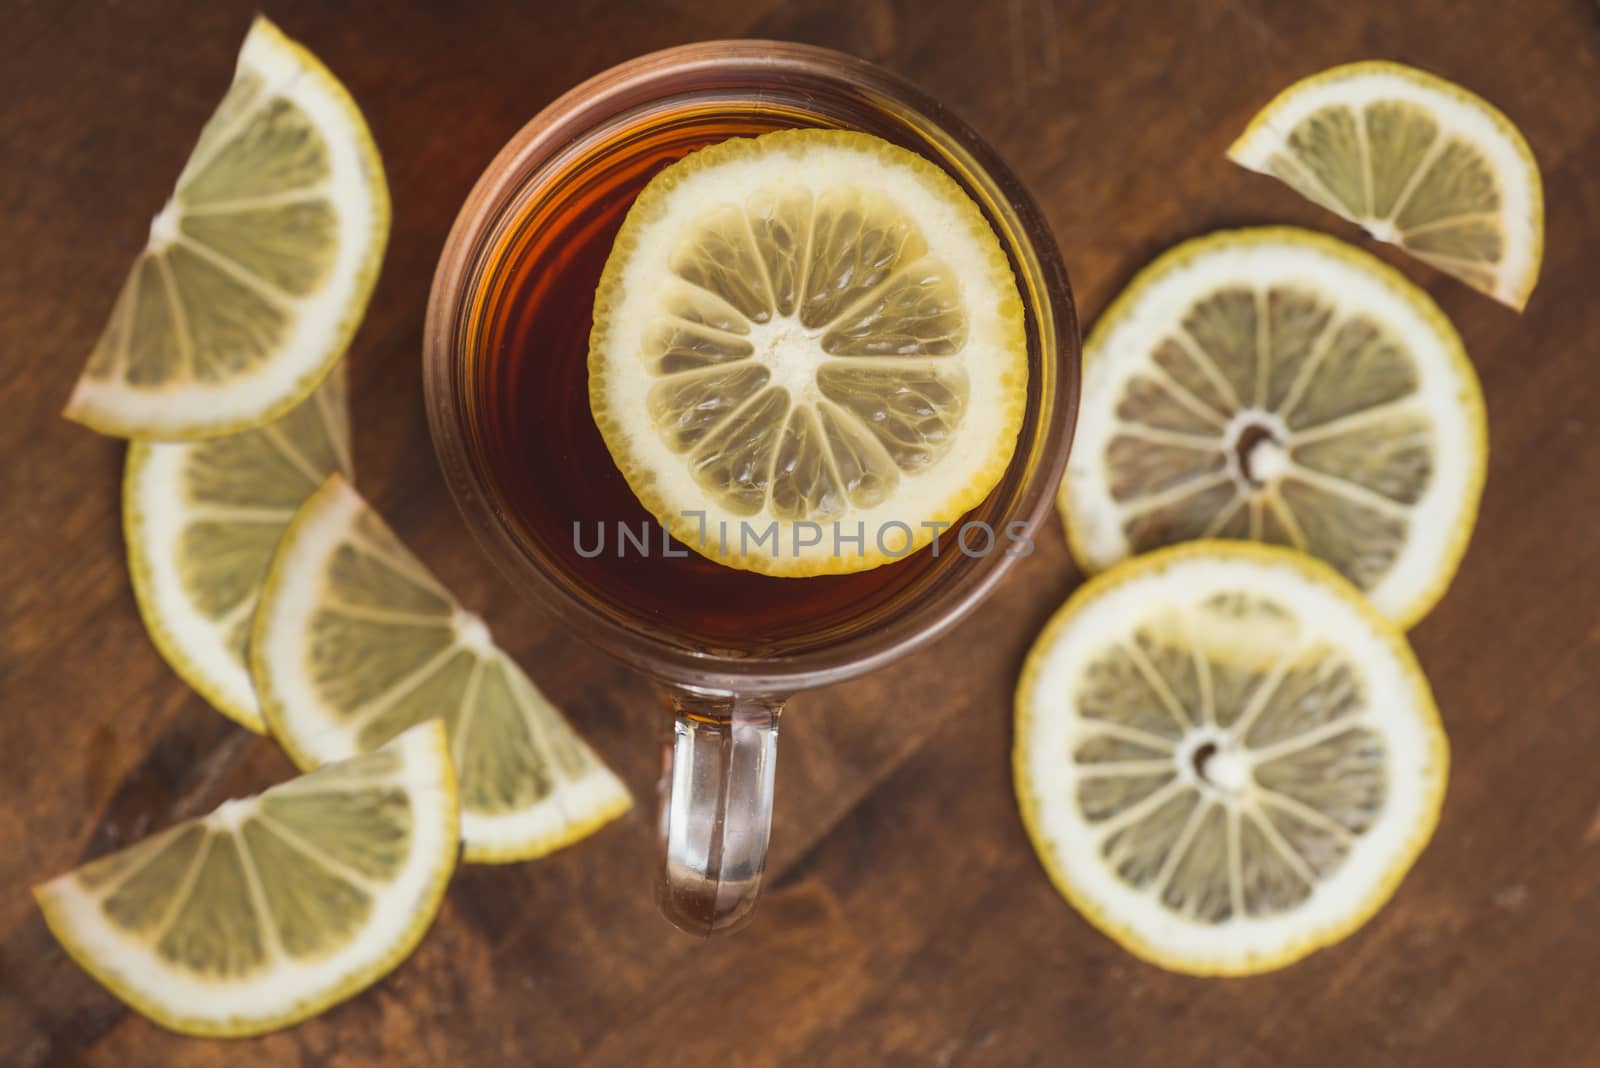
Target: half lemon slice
[808,353]
[1280,386]
[274,907]
[1225,758]
[355,641]
[202,520]
[1416,161]
[258,268]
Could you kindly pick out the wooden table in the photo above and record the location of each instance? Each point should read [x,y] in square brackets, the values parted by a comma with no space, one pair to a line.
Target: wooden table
[907,921]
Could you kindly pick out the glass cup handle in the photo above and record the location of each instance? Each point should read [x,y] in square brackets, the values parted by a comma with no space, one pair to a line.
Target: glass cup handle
[718,759]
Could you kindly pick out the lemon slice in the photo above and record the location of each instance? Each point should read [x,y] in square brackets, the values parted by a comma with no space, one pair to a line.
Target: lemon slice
[1280,386]
[274,907]
[808,352]
[1415,160]
[355,641]
[201,521]
[257,269]
[1225,758]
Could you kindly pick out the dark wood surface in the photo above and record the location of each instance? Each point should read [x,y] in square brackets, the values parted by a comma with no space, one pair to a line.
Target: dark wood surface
[907,921]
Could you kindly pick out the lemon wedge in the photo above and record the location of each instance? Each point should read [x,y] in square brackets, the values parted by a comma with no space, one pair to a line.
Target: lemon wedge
[274,907]
[258,268]
[202,520]
[355,641]
[1416,161]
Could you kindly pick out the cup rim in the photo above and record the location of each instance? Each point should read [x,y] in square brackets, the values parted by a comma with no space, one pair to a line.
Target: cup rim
[704,670]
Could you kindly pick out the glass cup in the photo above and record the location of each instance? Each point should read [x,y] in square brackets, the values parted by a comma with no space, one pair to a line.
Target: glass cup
[721,737]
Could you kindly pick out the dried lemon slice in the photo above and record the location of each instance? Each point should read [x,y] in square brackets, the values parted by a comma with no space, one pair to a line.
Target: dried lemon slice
[1225,758]
[272,908]
[257,269]
[1417,161]
[808,352]
[202,519]
[355,641]
[1280,386]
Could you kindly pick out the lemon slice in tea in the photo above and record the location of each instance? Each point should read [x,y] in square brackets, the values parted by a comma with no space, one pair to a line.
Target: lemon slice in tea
[1280,386]
[1415,160]
[355,641]
[808,352]
[258,268]
[1225,758]
[202,520]
[274,907]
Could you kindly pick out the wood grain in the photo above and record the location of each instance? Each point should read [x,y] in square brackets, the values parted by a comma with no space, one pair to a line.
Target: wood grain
[908,922]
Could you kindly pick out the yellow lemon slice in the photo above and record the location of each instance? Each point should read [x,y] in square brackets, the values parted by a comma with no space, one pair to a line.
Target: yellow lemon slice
[258,268]
[1417,161]
[355,641]
[1225,758]
[202,520]
[1280,386]
[274,907]
[808,352]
